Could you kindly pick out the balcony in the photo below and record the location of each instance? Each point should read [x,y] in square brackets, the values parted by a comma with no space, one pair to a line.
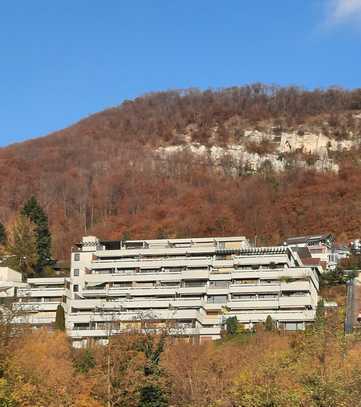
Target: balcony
[253,304]
[33,307]
[295,301]
[41,292]
[192,290]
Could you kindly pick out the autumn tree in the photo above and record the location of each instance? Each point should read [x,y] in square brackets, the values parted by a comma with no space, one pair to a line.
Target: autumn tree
[119,371]
[10,331]
[36,214]
[41,373]
[21,248]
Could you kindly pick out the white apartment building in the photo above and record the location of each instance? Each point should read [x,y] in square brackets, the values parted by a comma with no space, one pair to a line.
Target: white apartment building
[36,300]
[39,299]
[10,281]
[193,285]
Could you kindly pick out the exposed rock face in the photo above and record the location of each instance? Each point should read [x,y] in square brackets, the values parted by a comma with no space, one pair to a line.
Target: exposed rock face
[277,151]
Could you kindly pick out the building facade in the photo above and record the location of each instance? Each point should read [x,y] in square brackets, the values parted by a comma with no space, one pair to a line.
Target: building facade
[39,299]
[34,301]
[10,281]
[193,285]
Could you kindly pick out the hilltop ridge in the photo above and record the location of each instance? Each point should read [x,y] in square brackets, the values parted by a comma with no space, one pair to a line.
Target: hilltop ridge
[254,160]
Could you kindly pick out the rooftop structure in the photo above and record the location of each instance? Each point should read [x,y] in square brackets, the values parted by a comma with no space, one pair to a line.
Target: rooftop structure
[317,250]
[325,239]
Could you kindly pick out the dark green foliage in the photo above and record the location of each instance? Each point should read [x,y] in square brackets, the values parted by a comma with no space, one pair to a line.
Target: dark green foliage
[2,234]
[35,213]
[60,318]
[152,396]
[84,361]
[152,352]
[232,326]
[269,323]
[338,276]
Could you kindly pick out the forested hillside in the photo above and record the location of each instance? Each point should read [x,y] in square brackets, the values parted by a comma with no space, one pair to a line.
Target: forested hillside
[104,175]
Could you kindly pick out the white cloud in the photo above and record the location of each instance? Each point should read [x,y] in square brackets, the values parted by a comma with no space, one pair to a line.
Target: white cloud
[342,11]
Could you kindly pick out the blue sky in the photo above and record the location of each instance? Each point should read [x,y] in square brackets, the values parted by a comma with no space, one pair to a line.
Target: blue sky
[63,60]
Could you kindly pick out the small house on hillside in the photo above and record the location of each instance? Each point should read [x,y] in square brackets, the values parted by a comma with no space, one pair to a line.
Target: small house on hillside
[315,249]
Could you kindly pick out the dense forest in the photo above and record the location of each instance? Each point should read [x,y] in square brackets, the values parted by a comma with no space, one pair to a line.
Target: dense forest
[102,176]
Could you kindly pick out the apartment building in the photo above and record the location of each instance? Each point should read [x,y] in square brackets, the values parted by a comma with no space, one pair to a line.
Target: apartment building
[193,285]
[39,299]
[10,281]
[36,299]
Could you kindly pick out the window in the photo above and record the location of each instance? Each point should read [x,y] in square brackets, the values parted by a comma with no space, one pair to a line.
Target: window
[292,326]
[53,299]
[122,284]
[76,257]
[245,281]
[238,297]
[169,284]
[217,299]
[76,272]
[194,283]
[219,284]
[75,288]
[267,296]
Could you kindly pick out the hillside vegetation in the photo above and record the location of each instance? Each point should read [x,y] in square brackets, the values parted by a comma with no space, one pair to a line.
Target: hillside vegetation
[316,368]
[105,176]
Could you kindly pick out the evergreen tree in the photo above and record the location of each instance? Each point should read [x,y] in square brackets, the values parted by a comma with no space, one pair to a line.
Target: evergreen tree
[232,326]
[21,247]
[84,361]
[35,213]
[152,396]
[269,323]
[2,234]
[60,318]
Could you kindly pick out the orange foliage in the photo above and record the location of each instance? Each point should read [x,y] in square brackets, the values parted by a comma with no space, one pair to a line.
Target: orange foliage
[101,176]
[41,372]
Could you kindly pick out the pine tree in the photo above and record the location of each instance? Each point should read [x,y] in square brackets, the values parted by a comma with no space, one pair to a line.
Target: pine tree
[84,361]
[152,396]
[232,326]
[21,247]
[60,318]
[269,323]
[2,234]
[35,213]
